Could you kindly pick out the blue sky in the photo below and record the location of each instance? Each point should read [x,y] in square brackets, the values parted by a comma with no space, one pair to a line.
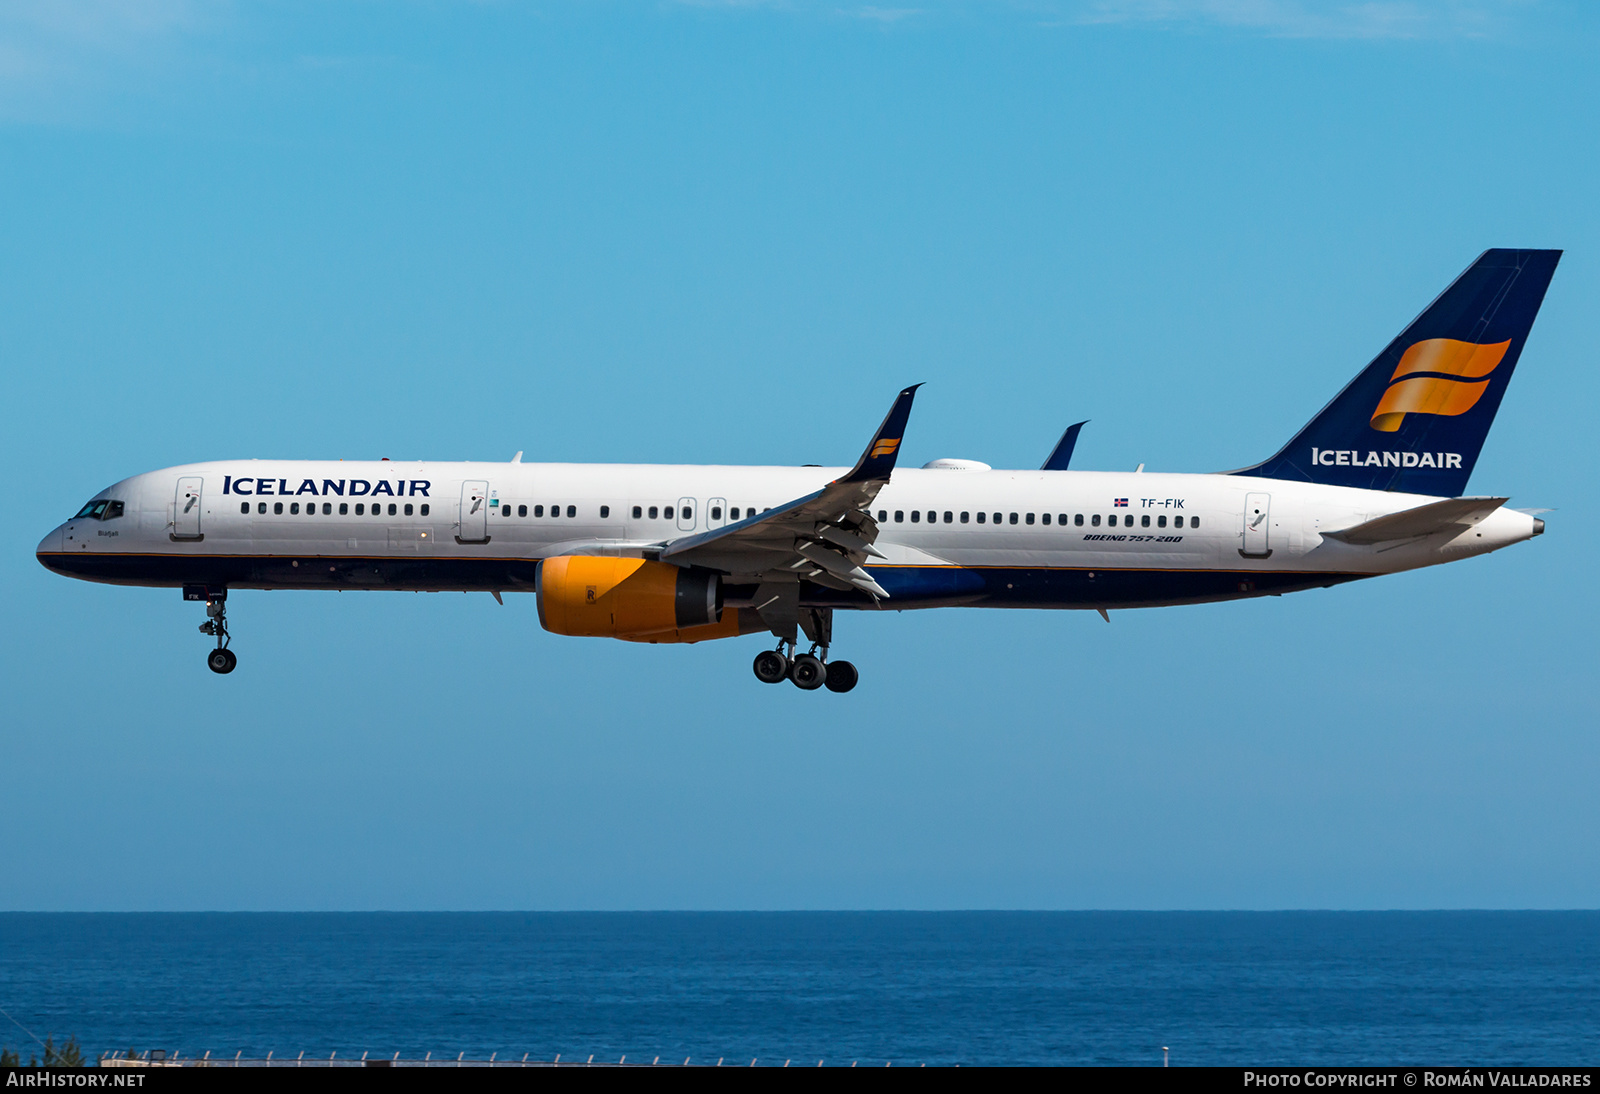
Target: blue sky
[729,233]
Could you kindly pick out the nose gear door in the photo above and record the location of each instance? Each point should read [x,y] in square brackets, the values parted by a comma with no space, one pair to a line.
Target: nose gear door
[474,527]
[186,508]
[1257,522]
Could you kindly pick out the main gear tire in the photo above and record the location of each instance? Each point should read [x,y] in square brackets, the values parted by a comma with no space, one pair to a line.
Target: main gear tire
[842,676]
[771,667]
[808,673]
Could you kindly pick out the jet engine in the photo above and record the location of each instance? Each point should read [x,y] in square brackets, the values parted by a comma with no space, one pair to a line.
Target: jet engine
[631,599]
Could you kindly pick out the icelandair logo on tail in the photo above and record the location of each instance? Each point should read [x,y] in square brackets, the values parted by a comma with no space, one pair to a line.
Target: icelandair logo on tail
[885,447]
[1455,378]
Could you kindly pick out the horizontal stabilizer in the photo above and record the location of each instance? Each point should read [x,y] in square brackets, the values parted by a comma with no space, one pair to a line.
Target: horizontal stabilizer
[1438,516]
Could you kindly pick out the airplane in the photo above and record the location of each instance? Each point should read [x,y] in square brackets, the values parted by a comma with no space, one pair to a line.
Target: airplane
[1373,484]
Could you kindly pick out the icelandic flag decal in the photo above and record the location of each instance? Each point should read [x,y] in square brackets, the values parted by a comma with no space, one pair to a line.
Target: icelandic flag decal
[1120,503]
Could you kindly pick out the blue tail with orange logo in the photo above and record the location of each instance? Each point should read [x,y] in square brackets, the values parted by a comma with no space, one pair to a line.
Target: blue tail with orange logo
[1416,417]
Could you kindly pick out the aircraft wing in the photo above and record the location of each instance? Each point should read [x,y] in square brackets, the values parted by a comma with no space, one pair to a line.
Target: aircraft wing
[824,537]
[1438,516]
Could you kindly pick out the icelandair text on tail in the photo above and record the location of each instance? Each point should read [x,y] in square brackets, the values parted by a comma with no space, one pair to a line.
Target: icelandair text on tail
[1345,457]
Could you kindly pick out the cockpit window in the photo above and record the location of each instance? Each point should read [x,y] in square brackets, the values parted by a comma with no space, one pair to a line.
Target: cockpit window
[102,509]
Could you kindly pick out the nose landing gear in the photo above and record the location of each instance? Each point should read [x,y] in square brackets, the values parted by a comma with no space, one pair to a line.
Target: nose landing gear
[220,660]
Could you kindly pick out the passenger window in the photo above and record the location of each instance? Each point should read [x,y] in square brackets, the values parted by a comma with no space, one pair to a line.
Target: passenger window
[666,511]
[261,507]
[344,509]
[949,517]
[687,513]
[244,507]
[1127,521]
[522,510]
[1044,518]
[1095,520]
[1013,518]
[424,508]
[408,509]
[538,510]
[716,512]
[361,510]
[883,516]
[1077,521]
[572,510]
[1144,521]
[1194,522]
[605,512]
[899,515]
[653,512]
[965,516]
[982,517]
[294,508]
[1027,520]
[916,515]
[277,508]
[1161,522]
[327,508]
[733,514]
[997,518]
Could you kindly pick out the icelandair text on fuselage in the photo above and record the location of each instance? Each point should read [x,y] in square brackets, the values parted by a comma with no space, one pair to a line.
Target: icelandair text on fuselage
[1412,1078]
[356,488]
[1345,457]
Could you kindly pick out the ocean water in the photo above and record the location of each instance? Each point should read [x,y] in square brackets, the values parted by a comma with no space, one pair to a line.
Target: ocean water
[907,987]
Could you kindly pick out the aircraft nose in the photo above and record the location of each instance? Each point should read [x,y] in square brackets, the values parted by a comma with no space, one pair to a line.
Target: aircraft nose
[50,544]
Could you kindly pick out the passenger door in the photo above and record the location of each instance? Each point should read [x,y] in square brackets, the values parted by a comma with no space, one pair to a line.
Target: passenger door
[186,508]
[1257,522]
[716,512]
[474,526]
[686,508]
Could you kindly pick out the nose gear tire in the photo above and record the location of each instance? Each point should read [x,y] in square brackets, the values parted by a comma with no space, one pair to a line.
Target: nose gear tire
[221,661]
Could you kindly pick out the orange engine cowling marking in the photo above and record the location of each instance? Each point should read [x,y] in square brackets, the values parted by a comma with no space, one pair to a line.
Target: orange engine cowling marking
[632,599]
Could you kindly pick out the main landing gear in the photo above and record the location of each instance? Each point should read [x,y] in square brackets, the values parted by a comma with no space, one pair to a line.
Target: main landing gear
[808,671]
[220,660]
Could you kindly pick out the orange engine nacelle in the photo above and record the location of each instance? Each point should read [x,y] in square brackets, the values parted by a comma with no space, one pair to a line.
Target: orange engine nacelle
[631,599]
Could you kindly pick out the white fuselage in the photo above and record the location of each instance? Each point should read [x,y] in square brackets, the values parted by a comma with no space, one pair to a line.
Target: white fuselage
[1082,539]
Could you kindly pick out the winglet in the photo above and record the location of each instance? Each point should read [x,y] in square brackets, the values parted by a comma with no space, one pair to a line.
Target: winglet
[1062,456]
[878,460]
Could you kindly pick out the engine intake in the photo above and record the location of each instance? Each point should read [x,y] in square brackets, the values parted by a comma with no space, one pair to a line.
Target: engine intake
[629,598]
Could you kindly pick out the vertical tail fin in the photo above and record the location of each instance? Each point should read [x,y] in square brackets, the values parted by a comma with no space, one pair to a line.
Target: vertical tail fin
[1415,419]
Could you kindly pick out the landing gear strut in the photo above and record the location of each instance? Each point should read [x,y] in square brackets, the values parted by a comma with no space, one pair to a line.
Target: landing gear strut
[220,660]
